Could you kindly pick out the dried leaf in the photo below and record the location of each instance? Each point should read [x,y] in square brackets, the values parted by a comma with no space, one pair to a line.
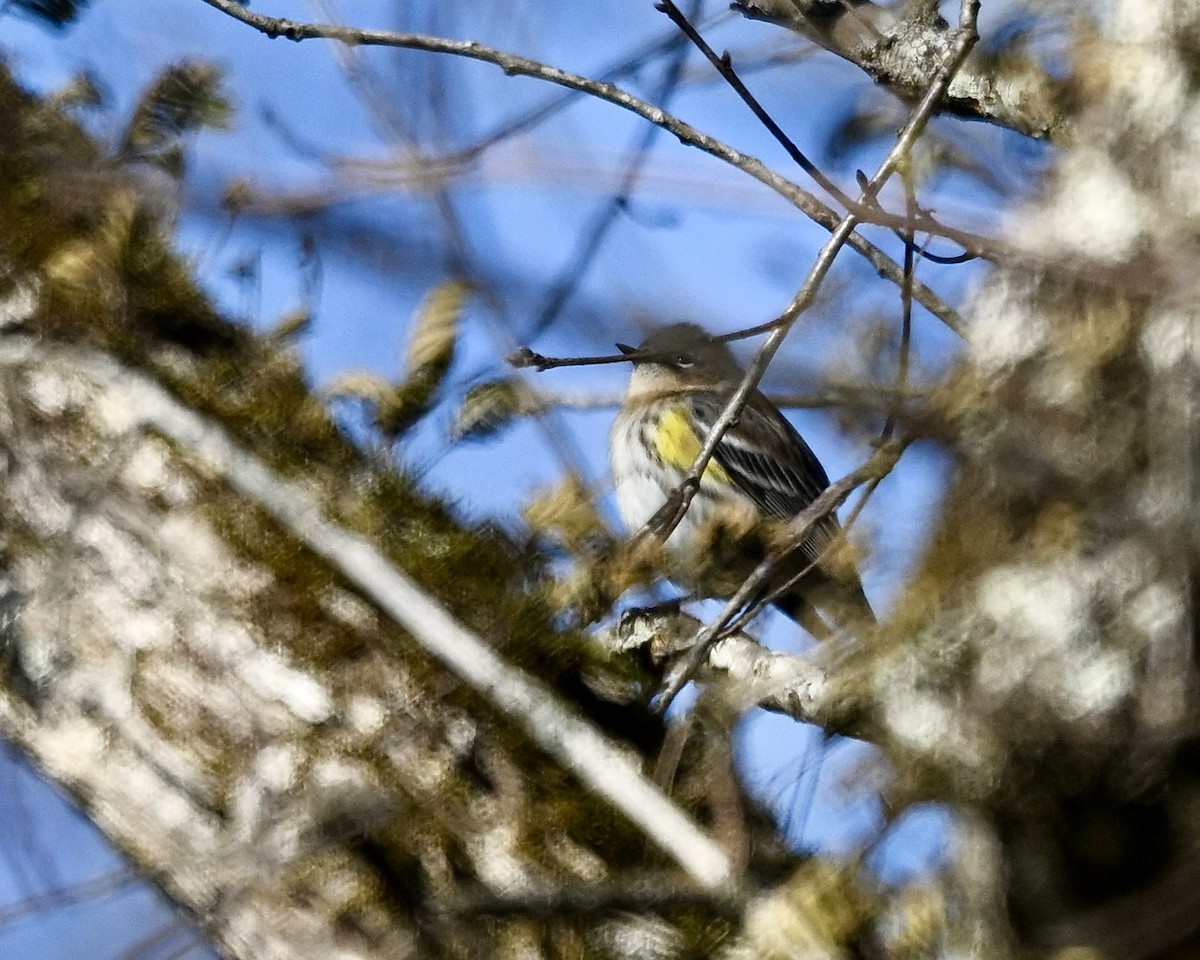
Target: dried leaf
[566,515]
[435,328]
[359,385]
[184,98]
[291,325]
[491,406]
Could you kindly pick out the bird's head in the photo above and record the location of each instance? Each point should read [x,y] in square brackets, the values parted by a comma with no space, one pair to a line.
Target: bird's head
[681,356]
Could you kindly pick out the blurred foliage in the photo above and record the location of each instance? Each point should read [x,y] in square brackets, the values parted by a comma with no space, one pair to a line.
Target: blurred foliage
[54,13]
[434,331]
[183,99]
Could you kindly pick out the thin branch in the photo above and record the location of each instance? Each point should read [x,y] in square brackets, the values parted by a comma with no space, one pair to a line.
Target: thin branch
[747,673]
[533,707]
[506,129]
[910,251]
[640,893]
[525,357]
[724,66]
[514,65]
[94,888]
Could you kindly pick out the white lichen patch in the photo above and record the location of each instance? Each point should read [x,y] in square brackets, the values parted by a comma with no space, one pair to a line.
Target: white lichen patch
[112,412]
[73,748]
[193,546]
[1163,500]
[1180,172]
[1157,612]
[150,471]
[1005,332]
[277,766]
[130,625]
[1046,638]
[171,807]
[641,937]
[224,641]
[1085,683]
[53,392]
[365,714]
[273,679]
[1154,91]
[424,771]
[348,609]
[578,860]
[927,724]
[460,732]
[19,304]
[1003,667]
[1058,385]
[1041,604]
[341,775]
[495,850]
[1123,569]
[206,561]
[131,567]
[38,504]
[1095,213]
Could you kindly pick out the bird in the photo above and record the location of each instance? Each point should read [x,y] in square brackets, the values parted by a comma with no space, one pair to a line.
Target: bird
[761,475]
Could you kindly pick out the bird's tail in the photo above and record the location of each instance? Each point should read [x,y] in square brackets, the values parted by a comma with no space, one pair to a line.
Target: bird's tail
[824,606]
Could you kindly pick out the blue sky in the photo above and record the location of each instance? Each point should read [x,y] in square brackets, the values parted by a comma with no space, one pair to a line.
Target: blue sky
[699,241]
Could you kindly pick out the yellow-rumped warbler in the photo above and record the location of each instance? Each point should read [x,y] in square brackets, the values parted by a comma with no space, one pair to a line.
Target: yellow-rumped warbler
[761,476]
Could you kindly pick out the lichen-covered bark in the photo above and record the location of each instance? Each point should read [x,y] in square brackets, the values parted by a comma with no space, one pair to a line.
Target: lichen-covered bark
[900,46]
[1041,670]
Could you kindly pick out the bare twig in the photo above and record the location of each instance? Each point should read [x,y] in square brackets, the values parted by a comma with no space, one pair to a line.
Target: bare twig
[724,67]
[637,893]
[94,888]
[910,250]
[524,357]
[515,65]
[575,269]
[506,129]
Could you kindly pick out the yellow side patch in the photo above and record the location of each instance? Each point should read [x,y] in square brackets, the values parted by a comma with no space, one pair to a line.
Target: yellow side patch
[678,445]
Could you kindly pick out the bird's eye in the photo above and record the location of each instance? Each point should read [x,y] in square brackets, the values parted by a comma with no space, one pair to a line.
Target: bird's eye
[684,360]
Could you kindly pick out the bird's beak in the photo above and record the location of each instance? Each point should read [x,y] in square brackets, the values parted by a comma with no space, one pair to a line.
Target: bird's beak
[627,349]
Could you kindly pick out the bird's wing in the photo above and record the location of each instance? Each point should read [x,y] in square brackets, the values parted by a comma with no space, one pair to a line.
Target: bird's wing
[769,462]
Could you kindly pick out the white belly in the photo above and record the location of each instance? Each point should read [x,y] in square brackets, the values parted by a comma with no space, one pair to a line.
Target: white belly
[641,488]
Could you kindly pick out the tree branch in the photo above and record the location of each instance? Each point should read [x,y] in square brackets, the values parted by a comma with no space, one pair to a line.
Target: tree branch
[900,51]
[673,510]
[747,673]
[514,65]
[547,721]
